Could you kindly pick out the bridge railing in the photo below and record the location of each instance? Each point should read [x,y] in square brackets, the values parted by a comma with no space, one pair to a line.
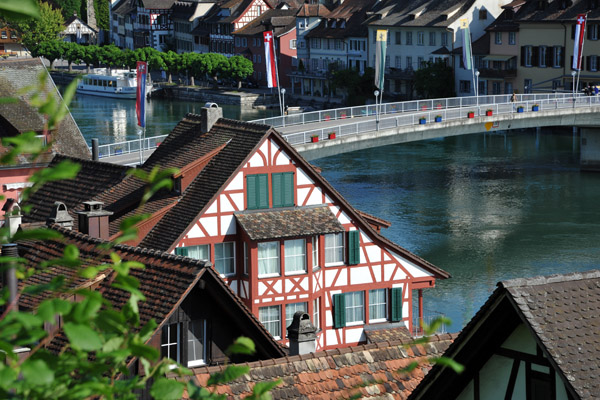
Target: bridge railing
[445,114]
[403,107]
[131,146]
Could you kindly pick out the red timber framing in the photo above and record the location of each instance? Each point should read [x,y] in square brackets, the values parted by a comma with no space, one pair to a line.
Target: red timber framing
[379,263]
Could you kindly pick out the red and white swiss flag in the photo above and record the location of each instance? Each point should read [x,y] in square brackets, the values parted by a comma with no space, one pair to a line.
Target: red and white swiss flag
[578,44]
[270,59]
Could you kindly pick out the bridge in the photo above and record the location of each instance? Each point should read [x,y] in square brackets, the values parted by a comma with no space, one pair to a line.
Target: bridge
[329,132]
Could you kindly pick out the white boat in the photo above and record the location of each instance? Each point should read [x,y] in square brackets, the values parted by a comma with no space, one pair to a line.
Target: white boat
[117,83]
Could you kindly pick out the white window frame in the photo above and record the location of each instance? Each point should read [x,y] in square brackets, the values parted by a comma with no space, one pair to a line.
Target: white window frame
[528,56]
[289,315]
[409,41]
[398,63]
[557,57]
[420,38]
[202,360]
[197,248]
[355,301]
[444,38]
[432,38]
[275,322]
[373,304]
[293,44]
[317,313]
[232,258]
[498,38]
[512,38]
[169,344]
[277,258]
[315,252]
[335,247]
[294,256]
[542,52]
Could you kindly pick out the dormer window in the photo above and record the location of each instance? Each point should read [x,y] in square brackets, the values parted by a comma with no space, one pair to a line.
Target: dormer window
[333,24]
[343,24]
[177,185]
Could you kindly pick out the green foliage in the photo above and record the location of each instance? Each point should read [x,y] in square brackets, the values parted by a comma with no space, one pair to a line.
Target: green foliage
[102,12]
[73,53]
[52,50]
[434,81]
[358,88]
[69,7]
[35,31]
[17,11]
[240,68]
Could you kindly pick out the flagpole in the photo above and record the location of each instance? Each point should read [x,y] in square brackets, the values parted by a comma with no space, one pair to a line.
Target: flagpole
[581,52]
[277,75]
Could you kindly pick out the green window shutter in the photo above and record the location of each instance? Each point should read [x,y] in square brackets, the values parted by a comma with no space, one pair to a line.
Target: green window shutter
[353,247]
[339,310]
[251,191]
[277,190]
[396,304]
[288,189]
[181,251]
[263,191]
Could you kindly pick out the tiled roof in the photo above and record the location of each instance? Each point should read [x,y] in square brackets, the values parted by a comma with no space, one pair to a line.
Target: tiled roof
[165,281]
[241,138]
[530,12]
[158,4]
[375,334]
[313,10]
[369,371]
[16,75]
[564,313]
[284,223]
[504,23]
[420,13]
[93,178]
[281,20]
[352,12]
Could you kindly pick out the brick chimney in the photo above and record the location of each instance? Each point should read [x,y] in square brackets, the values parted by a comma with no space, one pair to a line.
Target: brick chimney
[210,113]
[302,334]
[93,220]
[60,216]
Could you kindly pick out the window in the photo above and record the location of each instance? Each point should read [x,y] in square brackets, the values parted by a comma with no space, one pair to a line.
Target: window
[527,55]
[420,62]
[593,31]
[316,313]
[244,41]
[420,38]
[200,252]
[512,38]
[271,319]
[398,38]
[409,38]
[257,192]
[315,252]
[334,248]
[557,57]
[224,258]
[268,258]
[377,305]
[593,63]
[444,38]
[498,38]
[396,304]
[508,87]
[482,13]
[295,255]
[432,38]
[196,349]
[465,86]
[527,86]
[290,310]
[387,61]
[496,87]
[246,260]
[293,44]
[409,63]
[398,63]
[355,308]
[283,189]
[542,53]
[169,346]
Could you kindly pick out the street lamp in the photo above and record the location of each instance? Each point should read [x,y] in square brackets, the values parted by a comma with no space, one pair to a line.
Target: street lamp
[573,73]
[283,102]
[477,86]
[376,93]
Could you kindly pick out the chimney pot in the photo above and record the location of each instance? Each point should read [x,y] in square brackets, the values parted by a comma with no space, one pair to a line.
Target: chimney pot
[302,334]
[93,220]
[13,218]
[60,216]
[210,113]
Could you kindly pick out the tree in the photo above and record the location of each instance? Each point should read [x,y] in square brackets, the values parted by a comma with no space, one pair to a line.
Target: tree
[73,53]
[358,88]
[240,68]
[90,56]
[111,56]
[44,29]
[51,50]
[436,80]
[171,61]
[101,10]
[214,65]
[69,7]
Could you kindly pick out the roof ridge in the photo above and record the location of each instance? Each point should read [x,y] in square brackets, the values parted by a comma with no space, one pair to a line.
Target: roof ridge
[548,279]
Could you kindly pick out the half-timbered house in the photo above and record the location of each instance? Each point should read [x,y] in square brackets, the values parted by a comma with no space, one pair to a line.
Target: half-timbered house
[77,31]
[142,23]
[275,230]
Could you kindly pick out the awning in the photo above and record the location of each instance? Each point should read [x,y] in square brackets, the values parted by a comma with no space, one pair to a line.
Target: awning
[497,58]
[288,222]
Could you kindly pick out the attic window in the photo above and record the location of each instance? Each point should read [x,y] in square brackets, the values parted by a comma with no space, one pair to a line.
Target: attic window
[343,24]
[333,24]
[482,14]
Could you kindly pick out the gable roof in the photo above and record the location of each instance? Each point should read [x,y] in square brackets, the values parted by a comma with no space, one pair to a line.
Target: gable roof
[562,313]
[75,18]
[553,13]
[15,76]
[369,371]
[313,10]
[165,281]
[282,21]
[420,13]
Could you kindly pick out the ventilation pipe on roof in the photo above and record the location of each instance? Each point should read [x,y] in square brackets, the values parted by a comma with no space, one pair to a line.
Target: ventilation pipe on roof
[210,113]
[302,334]
[9,278]
[60,216]
[12,217]
[93,220]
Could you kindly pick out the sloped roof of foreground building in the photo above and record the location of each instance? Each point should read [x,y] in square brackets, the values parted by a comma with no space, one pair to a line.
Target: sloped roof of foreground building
[560,312]
[207,163]
[368,371]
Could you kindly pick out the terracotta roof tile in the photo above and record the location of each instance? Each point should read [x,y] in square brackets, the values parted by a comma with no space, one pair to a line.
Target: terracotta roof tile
[339,375]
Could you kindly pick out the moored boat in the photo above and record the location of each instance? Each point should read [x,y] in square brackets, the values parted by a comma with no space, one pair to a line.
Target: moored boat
[116,83]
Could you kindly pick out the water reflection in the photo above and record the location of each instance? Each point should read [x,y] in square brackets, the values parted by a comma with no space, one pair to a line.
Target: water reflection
[484,208]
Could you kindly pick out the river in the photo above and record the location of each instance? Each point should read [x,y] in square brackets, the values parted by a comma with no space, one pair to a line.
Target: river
[483,207]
